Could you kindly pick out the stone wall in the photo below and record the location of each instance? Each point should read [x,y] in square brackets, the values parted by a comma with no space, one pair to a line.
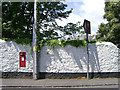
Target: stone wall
[9,57]
[103,58]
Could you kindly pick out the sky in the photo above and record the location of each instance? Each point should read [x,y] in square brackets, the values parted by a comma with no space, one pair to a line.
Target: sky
[92,10]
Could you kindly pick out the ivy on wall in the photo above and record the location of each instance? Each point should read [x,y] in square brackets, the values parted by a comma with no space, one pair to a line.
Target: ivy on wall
[52,43]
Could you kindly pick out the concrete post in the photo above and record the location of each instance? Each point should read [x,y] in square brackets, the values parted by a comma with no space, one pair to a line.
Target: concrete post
[35,64]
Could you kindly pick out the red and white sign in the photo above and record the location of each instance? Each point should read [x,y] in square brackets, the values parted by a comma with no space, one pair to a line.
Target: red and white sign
[22,56]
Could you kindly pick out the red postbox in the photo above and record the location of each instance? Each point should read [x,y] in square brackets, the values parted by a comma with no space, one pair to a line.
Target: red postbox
[22,56]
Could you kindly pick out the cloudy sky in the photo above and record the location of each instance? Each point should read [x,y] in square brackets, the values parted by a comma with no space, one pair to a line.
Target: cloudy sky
[92,10]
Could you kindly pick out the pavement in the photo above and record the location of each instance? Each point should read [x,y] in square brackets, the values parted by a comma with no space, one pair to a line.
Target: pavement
[48,83]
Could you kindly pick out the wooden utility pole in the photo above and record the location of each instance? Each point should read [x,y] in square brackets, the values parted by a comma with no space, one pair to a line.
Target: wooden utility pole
[35,63]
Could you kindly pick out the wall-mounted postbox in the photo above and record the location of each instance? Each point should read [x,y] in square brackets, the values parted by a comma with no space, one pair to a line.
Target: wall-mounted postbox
[22,56]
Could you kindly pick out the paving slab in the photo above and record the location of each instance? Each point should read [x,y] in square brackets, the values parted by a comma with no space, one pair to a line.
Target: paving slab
[58,82]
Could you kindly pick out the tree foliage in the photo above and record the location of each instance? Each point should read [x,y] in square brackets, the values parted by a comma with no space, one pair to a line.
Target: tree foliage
[47,15]
[71,28]
[111,30]
[17,19]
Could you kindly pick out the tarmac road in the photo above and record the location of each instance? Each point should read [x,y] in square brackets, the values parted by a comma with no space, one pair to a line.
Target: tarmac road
[99,88]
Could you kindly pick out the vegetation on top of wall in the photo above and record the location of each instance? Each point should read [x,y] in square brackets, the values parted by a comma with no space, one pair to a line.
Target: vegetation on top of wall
[77,43]
[92,41]
[54,42]
[23,41]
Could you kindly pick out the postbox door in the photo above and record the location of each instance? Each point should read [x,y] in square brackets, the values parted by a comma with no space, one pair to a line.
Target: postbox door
[22,59]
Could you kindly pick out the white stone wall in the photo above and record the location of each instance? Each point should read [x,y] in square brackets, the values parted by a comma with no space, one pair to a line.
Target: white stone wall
[9,57]
[103,58]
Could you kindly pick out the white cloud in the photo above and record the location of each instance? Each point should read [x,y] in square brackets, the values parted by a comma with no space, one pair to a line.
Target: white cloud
[92,10]
[72,18]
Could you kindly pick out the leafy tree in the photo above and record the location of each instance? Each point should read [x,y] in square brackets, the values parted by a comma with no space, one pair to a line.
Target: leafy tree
[72,29]
[47,25]
[17,19]
[111,30]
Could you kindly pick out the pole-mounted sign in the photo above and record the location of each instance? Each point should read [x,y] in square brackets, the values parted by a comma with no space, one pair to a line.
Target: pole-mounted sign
[86,26]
